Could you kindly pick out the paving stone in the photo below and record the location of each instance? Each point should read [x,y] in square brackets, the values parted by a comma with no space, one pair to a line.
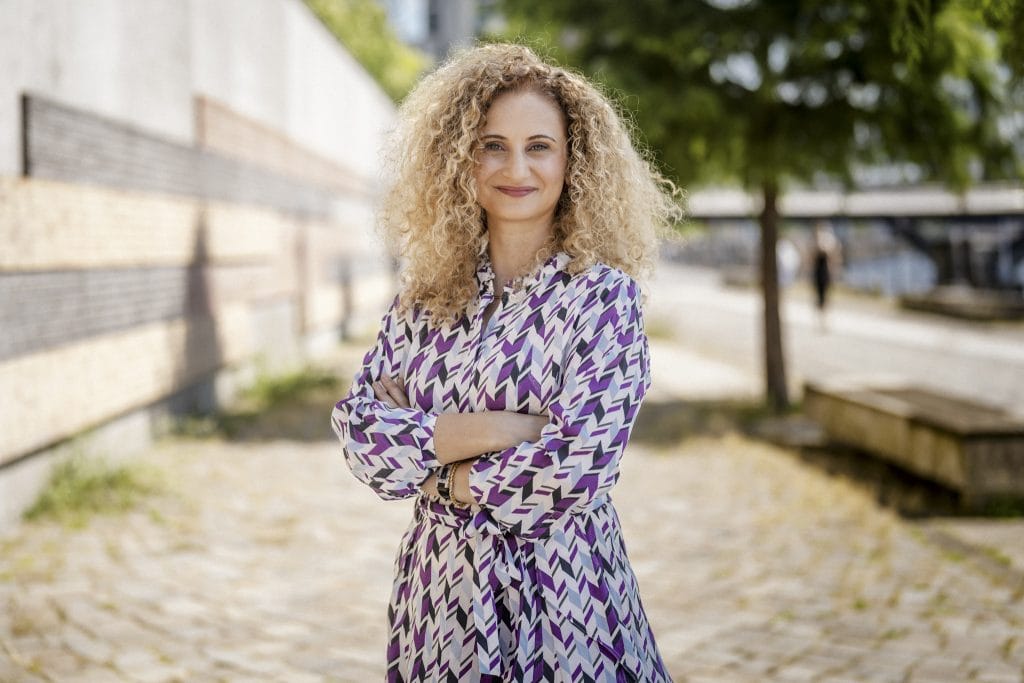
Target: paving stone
[135,661]
[95,675]
[820,662]
[56,663]
[717,676]
[160,674]
[9,670]
[866,673]
[984,676]
[85,646]
[243,660]
[795,673]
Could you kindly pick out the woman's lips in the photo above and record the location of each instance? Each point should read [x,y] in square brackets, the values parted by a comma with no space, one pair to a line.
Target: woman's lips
[515,191]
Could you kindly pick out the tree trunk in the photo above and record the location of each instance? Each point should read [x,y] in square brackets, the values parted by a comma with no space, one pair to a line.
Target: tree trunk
[774,358]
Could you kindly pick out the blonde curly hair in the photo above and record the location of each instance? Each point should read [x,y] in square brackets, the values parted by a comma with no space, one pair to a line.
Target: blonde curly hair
[614,207]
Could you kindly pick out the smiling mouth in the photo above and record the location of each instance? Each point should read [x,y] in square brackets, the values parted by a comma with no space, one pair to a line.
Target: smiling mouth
[515,191]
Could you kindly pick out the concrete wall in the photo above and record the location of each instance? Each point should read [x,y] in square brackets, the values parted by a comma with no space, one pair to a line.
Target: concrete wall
[141,62]
[186,188]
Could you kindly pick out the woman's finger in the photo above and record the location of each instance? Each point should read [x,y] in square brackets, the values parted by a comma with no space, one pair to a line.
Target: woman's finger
[396,390]
[381,393]
[388,391]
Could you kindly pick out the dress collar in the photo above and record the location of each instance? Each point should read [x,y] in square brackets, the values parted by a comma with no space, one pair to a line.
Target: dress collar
[519,287]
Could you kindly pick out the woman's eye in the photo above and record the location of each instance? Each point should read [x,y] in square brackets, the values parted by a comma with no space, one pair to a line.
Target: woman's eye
[492,147]
[538,147]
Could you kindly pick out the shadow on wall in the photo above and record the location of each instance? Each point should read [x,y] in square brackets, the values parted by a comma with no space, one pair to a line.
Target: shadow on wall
[344,279]
[196,346]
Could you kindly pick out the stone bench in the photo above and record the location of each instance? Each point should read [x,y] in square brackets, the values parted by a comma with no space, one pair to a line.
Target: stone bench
[968,303]
[974,449]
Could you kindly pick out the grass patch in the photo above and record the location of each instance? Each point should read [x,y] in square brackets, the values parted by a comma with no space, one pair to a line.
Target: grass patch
[954,555]
[1008,647]
[295,405]
[21,625]
[894,634]
[270,391]
[998,556]
[669,422]
[689,229]
[80,487]
[197,426]
[659,328]
[1004,506]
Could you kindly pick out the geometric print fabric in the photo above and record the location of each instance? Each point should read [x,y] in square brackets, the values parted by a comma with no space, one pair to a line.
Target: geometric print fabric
[534,584]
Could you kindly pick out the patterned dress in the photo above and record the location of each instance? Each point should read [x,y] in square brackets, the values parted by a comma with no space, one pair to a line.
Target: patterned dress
[534,584]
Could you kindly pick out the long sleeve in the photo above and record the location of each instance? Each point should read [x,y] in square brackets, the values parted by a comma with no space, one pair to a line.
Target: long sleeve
[528,488]
[389,449]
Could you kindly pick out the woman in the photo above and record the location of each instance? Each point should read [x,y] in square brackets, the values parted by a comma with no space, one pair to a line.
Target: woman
[507,375]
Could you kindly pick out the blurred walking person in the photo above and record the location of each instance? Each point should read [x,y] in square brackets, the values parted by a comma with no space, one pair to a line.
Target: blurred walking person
[825,264]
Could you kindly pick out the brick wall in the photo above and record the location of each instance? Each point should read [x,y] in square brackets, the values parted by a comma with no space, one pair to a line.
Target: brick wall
[120,288]
[66,143]
[222,130]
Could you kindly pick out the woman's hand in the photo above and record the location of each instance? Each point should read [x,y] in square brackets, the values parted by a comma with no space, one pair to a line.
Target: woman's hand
[391,391]
[522,427]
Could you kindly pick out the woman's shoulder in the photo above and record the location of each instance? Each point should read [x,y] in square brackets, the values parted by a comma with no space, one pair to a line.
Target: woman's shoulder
[601,286]
[410,316]
[403,313]
[602,282]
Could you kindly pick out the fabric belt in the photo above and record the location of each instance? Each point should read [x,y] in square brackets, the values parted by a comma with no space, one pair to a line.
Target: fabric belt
[496,566]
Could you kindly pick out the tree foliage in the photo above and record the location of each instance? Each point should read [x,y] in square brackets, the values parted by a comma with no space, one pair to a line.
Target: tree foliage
[362,27]
[1006,17]
[756,91]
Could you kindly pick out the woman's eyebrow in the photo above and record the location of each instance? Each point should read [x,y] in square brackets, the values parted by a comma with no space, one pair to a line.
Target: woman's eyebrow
[532,137]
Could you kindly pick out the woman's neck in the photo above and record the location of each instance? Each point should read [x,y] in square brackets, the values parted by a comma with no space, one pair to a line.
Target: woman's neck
[512,251]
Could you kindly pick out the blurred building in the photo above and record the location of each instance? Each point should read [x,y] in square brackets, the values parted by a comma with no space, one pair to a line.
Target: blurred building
[186,191]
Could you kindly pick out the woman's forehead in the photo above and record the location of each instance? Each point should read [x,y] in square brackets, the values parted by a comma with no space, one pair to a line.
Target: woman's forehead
[524,109]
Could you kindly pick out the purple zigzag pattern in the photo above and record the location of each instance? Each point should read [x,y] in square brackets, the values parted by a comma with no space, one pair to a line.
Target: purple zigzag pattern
[535,584]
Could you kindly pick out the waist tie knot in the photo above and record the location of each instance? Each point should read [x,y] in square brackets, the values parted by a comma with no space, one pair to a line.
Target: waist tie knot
[497,565]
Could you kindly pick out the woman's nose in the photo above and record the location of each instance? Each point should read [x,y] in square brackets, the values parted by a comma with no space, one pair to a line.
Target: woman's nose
[518,165]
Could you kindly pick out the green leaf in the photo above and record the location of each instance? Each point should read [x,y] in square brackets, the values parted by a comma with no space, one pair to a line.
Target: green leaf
[362,27]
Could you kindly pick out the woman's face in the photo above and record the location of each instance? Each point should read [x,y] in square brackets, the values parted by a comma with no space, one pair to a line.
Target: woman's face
[521,162]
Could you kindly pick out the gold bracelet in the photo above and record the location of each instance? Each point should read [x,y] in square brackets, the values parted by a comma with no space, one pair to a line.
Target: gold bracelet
[451,486]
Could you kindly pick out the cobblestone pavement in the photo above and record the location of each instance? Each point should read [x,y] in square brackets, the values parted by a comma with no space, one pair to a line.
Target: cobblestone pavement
[271,563]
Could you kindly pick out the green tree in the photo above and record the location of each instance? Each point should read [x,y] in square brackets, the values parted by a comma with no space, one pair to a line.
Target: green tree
[768,94]
[362,27]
